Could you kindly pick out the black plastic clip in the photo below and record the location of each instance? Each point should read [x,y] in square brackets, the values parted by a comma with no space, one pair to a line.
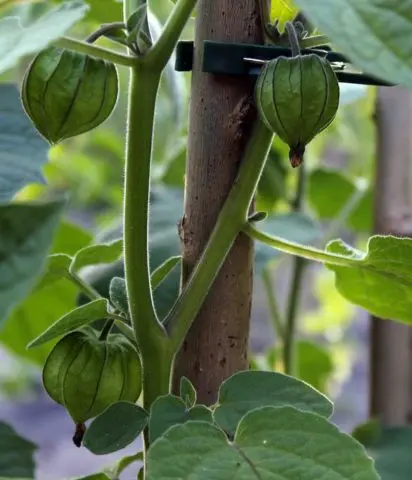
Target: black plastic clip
[244,59]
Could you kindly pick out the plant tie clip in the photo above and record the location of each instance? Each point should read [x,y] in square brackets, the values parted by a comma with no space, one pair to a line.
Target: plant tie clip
[242,59]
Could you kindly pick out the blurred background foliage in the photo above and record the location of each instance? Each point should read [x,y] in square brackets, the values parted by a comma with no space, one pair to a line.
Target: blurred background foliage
[89,168]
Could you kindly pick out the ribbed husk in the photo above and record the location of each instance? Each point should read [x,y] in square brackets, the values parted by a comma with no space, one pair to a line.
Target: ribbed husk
[297,98]
[67,93]
[86,375]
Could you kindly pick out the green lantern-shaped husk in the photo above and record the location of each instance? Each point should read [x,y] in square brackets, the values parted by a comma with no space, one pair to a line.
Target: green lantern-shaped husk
[86,375]
[67,93]
[297,98]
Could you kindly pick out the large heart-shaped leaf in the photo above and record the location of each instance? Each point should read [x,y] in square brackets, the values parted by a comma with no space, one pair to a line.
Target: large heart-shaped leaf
[375,34]
[270,443]
[248,390]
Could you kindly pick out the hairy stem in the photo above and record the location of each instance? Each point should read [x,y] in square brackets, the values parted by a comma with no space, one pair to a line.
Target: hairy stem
[161,52]
[87,289]
[142,98]
[293,248]
[230,222]
[94,50]
[104,30]
[293,39]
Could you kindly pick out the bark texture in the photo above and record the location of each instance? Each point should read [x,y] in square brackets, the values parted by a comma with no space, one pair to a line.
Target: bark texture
[391,352]
[221,116]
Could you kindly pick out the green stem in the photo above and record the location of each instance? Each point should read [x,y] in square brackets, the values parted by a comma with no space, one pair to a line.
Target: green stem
[230,222]
[94,50]
[274,311]
[289,346]
[106,330]
[126,330]
[83,286]
[104,30]
[314,41]
[161,52]
[144,85]
[293,39]
[309,253]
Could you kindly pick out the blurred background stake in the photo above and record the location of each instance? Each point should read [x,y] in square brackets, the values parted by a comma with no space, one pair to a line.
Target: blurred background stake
[391,346]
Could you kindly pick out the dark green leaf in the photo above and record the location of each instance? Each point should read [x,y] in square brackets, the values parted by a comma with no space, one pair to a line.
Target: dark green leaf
[26,236]
[79,317]
[44,305]
[169,410]
[22,151]
[95,254]
[116,428]
[270,443]
[377,24]
[246,391]
[295,227]
[118,294]
[16,455]
[391,449]
[17,42]
[187,392]
[368,433]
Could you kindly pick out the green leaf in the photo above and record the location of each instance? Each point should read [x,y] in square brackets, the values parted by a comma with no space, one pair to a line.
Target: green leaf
[390,447]
[246,391]
[95,254]
[169,410]
[17,41]
[16,454]
[380,280]
[295,227]
[272,183]
[383,27]
[328,192]
[104,11]
[187,392]
[283,11]
[368,433]
[163,270]
[270,443]
[79,317]
[114,471]
[116,428]
[118,294]
[315,364]
[26,235]
[51,299]
[57,267]
[70,238]
[23,152]
[32,317]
